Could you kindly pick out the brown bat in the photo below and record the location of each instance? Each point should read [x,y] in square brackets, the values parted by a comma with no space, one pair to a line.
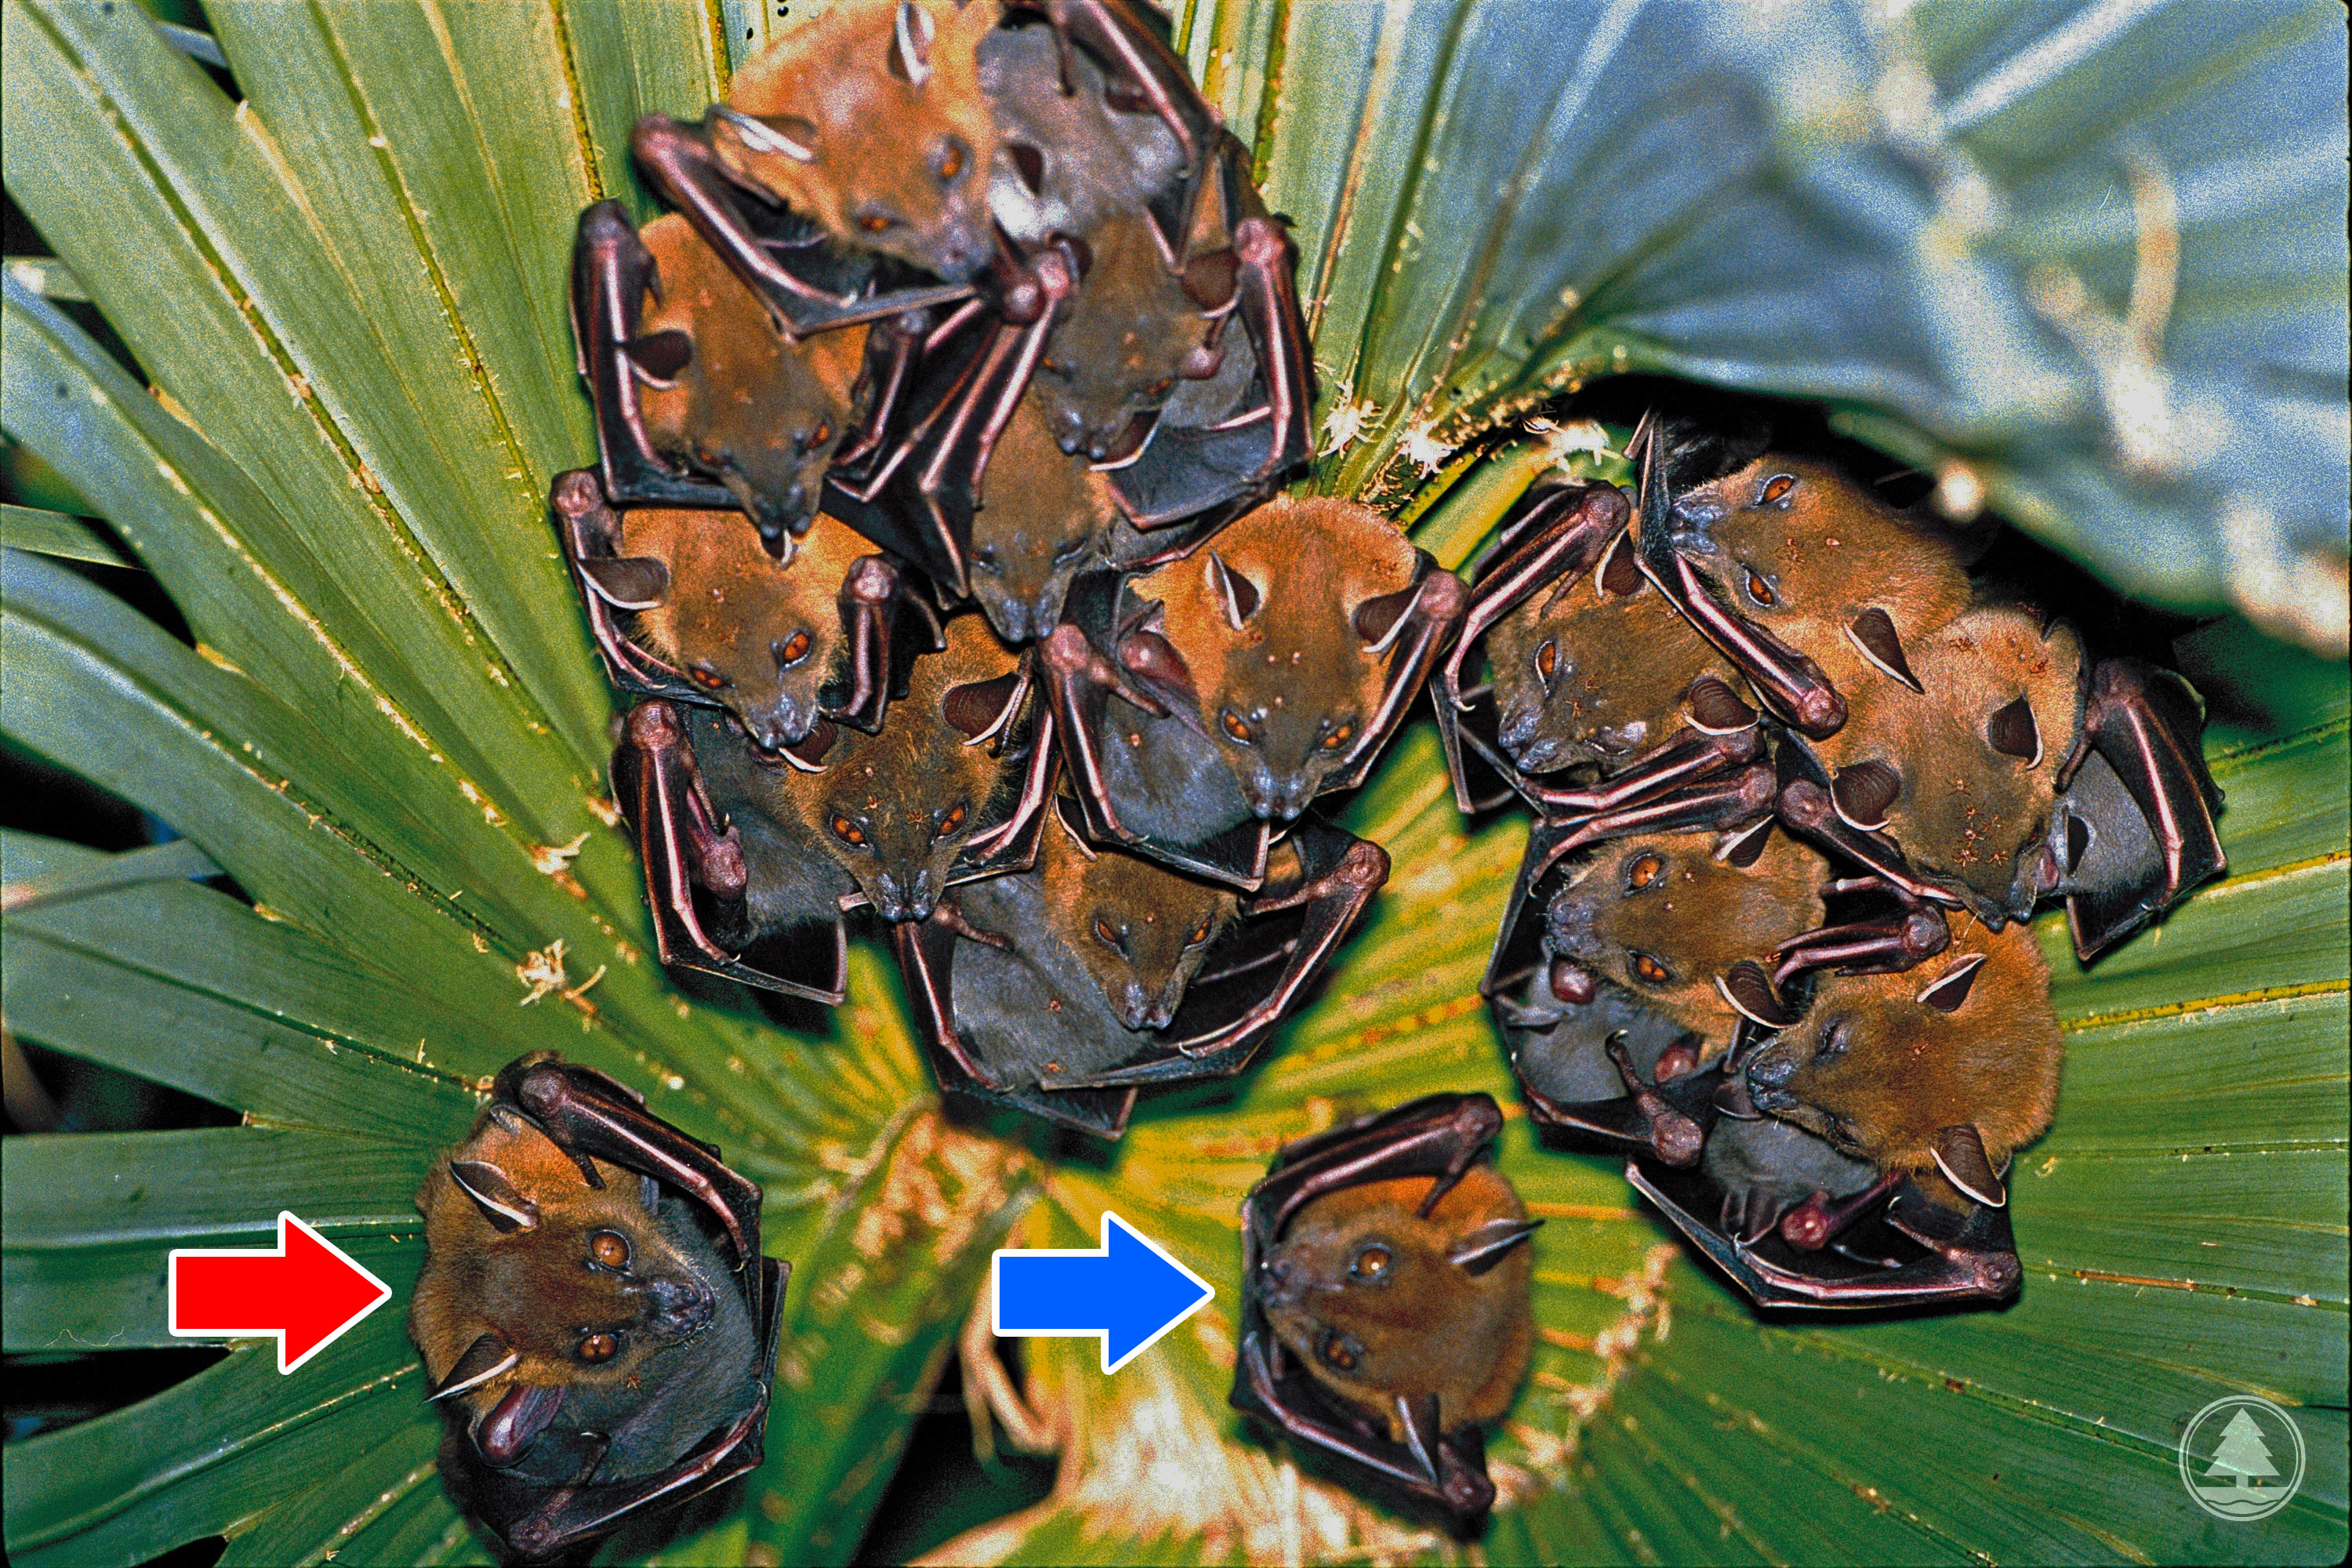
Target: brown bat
[1385,1283]
[1206,703]
[700,400]
[779,644]
[1931,1077]
[593,1312]
[743,849]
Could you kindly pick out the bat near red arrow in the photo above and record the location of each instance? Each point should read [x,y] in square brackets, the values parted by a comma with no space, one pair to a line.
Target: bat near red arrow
[307,1294]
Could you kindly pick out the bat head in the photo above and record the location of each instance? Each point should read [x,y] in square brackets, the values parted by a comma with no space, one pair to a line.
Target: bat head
[1045,517]
[1964,772]
[1787,545]
[870,121]
[1283,623]
[721,390]
[1885,1066]
[1595,671]
[895,808]
[537,1281]
[1068,159]
[762,637]
[1139,931]
[1379,1301]
[1132,334]
[1666,915]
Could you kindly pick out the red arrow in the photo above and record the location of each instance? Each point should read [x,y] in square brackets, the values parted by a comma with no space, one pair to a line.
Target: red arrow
[308,1293]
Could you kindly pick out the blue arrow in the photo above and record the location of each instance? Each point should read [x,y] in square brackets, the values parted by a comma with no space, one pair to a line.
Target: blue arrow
[1128,1291]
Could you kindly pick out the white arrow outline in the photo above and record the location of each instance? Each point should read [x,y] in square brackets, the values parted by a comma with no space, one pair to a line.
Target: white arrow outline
[285,1218]
[1102,1253]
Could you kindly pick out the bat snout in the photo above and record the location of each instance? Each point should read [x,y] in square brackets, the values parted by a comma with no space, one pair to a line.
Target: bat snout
[678,1308]
[1141,1010]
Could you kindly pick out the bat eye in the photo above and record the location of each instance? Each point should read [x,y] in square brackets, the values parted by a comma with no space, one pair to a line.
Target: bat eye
[874,223]
[1761,590]
[1371,1264]
[1645,872]
[1200,932]
[952,820]
[1340,736]
[822,434]
[1776,489]
[1836,1043]
[706,676]
[794,650]
[951,158]
[847,831]
[599,1347]
[1238,729]
[1647,969]
[1109,935]
[1338,1350]
[610,1249]
[1548,660]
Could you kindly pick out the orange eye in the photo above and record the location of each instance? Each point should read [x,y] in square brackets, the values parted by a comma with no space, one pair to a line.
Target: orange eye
[1372,1263]
[598,1347]
[1778,486]
[1336,1350]
[1200,932]
[1648,970]
[822,434]
[951,821]
[1339,737]
[707,678]
[1103,930]
[1644,871]
[1759,590]
[796,647]
[1236,728]
[1548,660]
[952,165]
[847,831]
[609,1249]
[873,222]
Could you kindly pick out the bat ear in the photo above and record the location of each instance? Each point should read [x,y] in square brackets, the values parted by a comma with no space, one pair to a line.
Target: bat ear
[1376,618]
[1744,847]
[910,43]
[1872,632]
[494,1193]
[761,137]
[662,354]
[1237,592]
[1486,1246]
[514,1421]
[489,1357]
[1620,570]
[627,581]
[1864,792]
[1959,1154]
[974,707]
[1948,990]
[2012,733]
[1750,990]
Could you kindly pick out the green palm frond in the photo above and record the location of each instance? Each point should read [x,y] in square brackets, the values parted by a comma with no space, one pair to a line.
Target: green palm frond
[343,295]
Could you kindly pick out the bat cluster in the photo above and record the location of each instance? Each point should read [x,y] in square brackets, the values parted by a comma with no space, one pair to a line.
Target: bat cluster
[1800,778]
[593,1312]
[931,528]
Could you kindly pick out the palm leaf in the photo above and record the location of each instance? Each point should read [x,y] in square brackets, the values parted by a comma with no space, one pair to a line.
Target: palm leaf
[342,293]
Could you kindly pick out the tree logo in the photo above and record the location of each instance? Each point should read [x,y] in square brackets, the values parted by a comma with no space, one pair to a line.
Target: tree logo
[2232,1455]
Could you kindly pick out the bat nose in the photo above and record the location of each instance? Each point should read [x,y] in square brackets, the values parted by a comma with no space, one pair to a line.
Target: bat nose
[677,1308]
[1538,755]
[1142,1010]
[1766,1074]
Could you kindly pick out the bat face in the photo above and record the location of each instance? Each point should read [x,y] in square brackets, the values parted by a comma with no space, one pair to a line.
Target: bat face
[895,808]
[1883,1066]
[1366,1291]
[1664,917]
[870,120]
[1045,517]
[1280,624]
[1131,333]
[724,392]
[762,637]
[1140,931]
[1594,673]
[1963,774]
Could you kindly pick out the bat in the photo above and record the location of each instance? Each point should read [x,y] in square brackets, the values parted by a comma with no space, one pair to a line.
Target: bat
[1931,1077]
[1385,1299]
[700,400]
[596,1316]
[745,850]
[780,644]
[1204,703]
[1594,677]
